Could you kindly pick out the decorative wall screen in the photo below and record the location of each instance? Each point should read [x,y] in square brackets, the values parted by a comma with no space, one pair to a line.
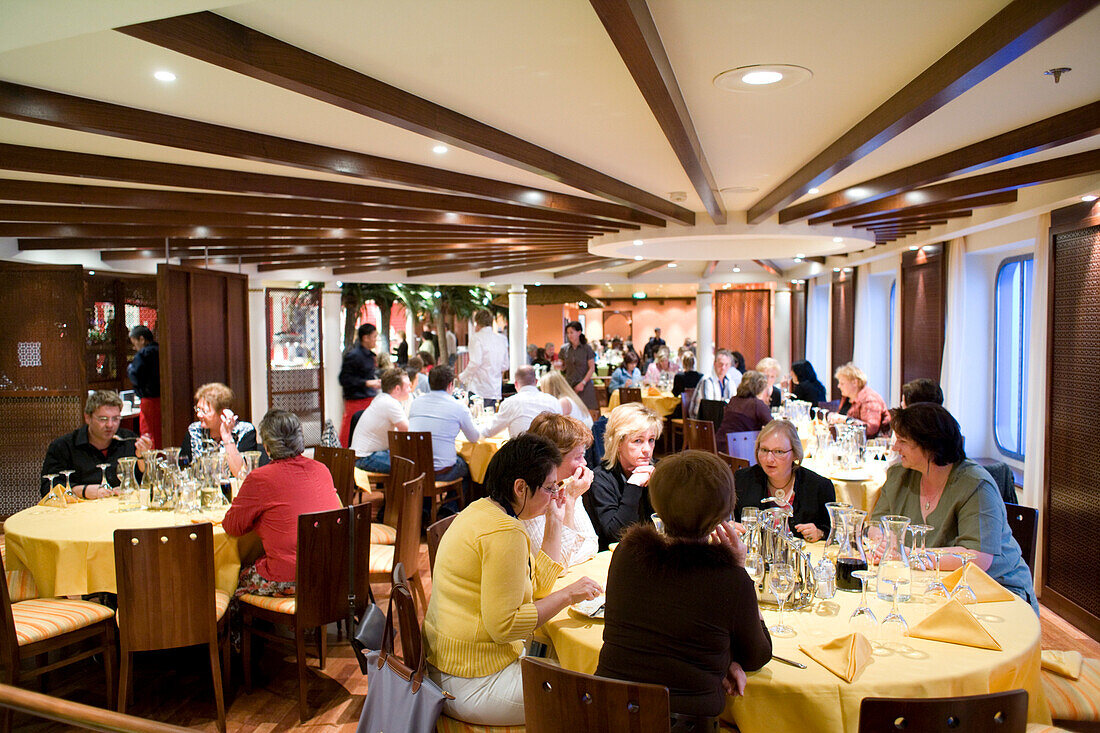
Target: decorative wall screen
[844,323]
[923,308]
[742,322]
[798,322]
[107,349]
[294,380]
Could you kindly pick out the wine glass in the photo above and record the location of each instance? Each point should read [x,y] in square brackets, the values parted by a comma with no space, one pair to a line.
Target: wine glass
[781,582]
[754,566]
[52,498]
[894,626]
[935,587]
[963,593]
[918,556]
[69,495]
[863,618]
[103,472]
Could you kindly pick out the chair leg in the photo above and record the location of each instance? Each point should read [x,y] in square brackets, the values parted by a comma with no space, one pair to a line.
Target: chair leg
[300,648]
[125,683]
[109,661]
[322,644]
[246,649]
[226,659]
[216,678]
[9,675]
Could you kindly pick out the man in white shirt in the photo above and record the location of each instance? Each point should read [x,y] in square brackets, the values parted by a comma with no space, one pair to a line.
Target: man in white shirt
[488,360]
[440,414]
[386,412]
[517,412]
[719,385]
[452,343]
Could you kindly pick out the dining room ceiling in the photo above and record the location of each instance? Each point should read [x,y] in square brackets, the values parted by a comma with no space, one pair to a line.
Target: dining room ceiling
[307,135]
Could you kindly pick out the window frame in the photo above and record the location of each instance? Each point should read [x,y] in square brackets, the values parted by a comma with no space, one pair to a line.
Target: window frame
[1025,325]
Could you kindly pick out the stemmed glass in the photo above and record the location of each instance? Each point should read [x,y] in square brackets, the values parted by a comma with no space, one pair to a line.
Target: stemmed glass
[69,495]
[935,587]
[52,497]
[863,617]
[103,471]
[963,592]
[894,625]
[781,582]
[918,557]
[754,566]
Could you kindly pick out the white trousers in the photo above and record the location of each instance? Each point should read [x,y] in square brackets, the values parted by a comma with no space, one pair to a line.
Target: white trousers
[495,699]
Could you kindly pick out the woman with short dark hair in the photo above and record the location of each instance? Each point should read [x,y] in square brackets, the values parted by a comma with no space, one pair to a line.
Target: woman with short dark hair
[489,594]
[805,385]
[579,364]
[681,611]
[936,484]
[627,374]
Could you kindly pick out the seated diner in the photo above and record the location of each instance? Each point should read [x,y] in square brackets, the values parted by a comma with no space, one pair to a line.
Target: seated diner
[217,422]
[618,497]
[859,401]
[748,409]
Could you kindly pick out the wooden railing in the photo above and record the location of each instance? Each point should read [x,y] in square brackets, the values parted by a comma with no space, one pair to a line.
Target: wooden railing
[74,713]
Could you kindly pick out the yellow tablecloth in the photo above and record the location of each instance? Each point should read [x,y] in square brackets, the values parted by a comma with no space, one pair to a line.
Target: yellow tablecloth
[782,698]
[663,404]
[859,488]
[477,455]
[71,551]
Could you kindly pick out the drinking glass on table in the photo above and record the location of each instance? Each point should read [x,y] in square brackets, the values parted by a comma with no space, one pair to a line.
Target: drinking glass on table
[53,498]
[754,566]
[863,618]
[781,582]
[70,495]
[935,587]
[963,593]
[894,626]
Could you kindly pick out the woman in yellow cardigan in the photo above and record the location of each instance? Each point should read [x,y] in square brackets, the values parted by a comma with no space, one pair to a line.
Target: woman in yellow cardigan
[489,594]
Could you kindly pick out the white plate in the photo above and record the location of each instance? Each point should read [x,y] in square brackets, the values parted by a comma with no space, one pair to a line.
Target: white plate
[589,609]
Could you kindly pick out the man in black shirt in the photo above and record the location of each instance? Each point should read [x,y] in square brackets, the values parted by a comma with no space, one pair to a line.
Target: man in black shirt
[358,378]
[99,441]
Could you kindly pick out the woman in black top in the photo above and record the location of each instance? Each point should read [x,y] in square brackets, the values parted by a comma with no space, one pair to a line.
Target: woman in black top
[778,474]
[618,497]
[144,374]
[681,610]
[579,364]
[805,385]
[686,379]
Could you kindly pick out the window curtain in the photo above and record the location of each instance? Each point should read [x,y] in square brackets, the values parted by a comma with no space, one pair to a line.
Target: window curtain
[1035,437]
[956,363]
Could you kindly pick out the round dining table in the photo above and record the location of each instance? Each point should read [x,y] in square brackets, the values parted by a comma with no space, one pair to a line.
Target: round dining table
[663,403]
[858,486]
[478,454]
[70,550]
[782,698]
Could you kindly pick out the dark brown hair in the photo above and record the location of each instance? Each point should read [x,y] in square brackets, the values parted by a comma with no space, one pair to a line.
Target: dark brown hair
[692,492]
[932,428]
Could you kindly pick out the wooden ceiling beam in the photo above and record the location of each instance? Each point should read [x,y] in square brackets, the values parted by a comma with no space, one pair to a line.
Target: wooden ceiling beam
[140,231]
[257,254]
[960,191]
[254,245]
[710,268]
[770,267]
[1014,30]
[635,35]
[974,202]
[539,265]
[908,222]
[592,266]
[109,168]
[68,112]
[468,265]
[647,267]
[1058,130]
[404,258]
[906,219]
[144,198]
[230,45]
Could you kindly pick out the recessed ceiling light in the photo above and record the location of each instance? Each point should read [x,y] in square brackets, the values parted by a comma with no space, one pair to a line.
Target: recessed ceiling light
[1090,197]
[838,240]
[761,77]
[814,191]
[607,285]
[91,272]
[726,286]
[339,283]
[439,149]
[797,259]
[639,294]
[491,283]
[857,193]
[737,269]
[537,284]
[847,269]
[672,264]
[913,248]
[836,269]
[800,256]
[164,75]
[638,242]
[437,294]
[638,257]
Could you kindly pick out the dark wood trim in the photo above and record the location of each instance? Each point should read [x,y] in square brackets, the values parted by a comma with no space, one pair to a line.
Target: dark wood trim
[537,264]
[264,254]
[222,42]
[1060,129]
[842,335]
[770,267]
[398,259]
[68,112]
[945,207]
[926,219]
[632,30]
[604,264]
[140,231]
[961,191]
[647,267]
[1014,30]
[921,258]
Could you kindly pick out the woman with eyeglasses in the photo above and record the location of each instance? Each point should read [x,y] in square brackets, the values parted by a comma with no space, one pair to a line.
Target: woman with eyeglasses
[491,589]
[217,422]
[779,479]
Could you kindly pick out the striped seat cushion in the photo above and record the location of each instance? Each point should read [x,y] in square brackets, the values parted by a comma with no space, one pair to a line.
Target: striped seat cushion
[281,604]
[381,558]
[43,619]
[1044,728]
[21,586]
[382,534]
[221,603]
[1074,699]
[450,725]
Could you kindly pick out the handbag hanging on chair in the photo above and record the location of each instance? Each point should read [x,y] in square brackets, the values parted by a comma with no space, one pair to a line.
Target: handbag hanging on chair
[399,697]
[368,631]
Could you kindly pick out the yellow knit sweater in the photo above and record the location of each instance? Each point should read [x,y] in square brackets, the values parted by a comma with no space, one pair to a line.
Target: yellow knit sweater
[483,585]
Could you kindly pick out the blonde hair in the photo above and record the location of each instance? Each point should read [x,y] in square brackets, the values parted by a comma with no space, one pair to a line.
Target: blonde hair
[782,427]
[216,394]
[851,371]
[769,366]
[553,383]
[624,421]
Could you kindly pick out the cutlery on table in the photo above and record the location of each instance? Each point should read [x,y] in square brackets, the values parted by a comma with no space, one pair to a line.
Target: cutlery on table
[791,662]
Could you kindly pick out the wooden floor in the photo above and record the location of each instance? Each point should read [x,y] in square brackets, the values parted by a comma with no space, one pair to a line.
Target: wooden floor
[175,686]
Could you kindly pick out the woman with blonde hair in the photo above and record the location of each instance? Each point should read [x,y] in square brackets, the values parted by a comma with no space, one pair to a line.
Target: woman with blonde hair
[770,368]
[618,497]
[860,402]
[662,363]
[553,383]
[216,421]
[780,476]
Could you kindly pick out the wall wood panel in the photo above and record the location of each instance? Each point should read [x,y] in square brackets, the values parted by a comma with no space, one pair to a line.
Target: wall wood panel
[798,323]
[844,323]
[923,311]
[742,322]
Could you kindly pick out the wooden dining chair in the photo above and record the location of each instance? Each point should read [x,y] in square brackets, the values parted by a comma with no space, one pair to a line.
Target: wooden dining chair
[167,600]
[735,464]
[31,629]
[742,444]
[435,535]
[321,596]
[408,501]
[556,700]
[1000,712]
[676,424]
[417,447]
[712,411]
[699,435]
[341,464]
[383,534]
[1024,523]
[630,394]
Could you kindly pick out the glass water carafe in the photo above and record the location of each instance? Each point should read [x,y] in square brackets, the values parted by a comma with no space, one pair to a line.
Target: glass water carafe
[129,498]
[851,557]
[832,542]
[894,568]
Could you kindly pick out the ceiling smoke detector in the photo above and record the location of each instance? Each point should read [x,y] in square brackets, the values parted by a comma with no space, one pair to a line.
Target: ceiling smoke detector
[1057,73]
[678,197]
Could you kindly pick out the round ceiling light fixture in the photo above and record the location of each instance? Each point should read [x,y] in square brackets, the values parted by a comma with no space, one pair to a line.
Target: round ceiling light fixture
[164,75]
[1089,197]
[762,77]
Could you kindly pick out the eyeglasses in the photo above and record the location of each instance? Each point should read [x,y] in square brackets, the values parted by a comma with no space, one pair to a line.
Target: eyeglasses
[203,411]
[777,453]
[553,489]
[115,420]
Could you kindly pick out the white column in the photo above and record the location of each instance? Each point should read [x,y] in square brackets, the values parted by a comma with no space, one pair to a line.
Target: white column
[411,336]
[517,327]
[704,314]
[781,329]
[257,348]
[332,354]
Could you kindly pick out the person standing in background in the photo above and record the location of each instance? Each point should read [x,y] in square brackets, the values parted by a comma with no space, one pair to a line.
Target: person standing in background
[402,350]
[358,378]
[452,344]
[488,360]
[579,364]
[144,373]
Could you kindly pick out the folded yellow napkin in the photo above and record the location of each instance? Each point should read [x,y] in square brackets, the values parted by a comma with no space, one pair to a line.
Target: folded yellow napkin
[652,392]
[986,589]
[844,656]
[952,622]
[1067,664]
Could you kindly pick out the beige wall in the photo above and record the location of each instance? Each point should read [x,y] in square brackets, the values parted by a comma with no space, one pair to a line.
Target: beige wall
[544,323]
[675,318]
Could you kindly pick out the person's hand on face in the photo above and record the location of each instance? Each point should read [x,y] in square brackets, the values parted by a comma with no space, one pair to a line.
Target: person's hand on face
[581,482]
[641,475]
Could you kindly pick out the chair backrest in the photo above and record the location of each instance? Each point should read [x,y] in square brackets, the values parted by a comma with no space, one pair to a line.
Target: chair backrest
[322,572]
[417,447]
[685,400]
[630,394]
[363,595]
[435,534]
[1002,475]
[555,699]
[401,470]
[743,445]
[341,464]
[1003,712]
[165,581]
[831,405]
[354,421]
[404,612]
[735,464]
[712,411]
[1024,522]
[699,435]
[410,496]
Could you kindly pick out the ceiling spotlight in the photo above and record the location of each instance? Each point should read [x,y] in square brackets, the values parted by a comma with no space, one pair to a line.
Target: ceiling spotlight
[607,285]
[672,264]
[1090,197]
[1057,73]
[640,295]
[847,269]
[814,191]
[439,149]
[836,269]
[164,75]
[762,77]
[638,242]
[491,283]
[737,269]
[638,257]
[797,259]
[339,283]
[913,248]
[437,294]
[838,240]
[91,272]
[800,256]
[759,77]
[537,284]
